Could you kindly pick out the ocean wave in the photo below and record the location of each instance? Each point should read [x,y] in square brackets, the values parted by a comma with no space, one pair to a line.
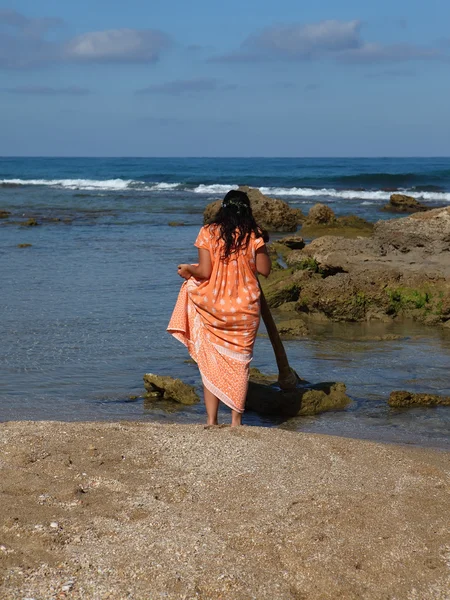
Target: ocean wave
[351,194]
[216,188]
[72,184]
[219,189]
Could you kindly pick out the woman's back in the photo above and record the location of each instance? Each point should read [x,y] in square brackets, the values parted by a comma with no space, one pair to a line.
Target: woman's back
[229,300]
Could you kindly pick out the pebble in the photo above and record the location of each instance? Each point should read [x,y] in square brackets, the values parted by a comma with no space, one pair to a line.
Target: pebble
[67,587]
[54,525]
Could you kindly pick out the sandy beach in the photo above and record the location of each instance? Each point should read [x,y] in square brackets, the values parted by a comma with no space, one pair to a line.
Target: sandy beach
[146,511]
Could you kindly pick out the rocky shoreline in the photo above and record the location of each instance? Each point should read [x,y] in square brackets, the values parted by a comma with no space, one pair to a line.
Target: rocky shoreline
[352,270]
[139,510]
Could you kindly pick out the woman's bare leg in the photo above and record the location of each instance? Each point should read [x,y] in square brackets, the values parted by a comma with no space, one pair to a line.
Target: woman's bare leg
[212,406]
[236,418]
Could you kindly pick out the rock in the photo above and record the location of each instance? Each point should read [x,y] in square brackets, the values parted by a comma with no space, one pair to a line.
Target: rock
[304,400]
[292,328]
[428,231]
[167,388]
[280,287]
[320,214]
[24,245]
[324,397]
[4,214]
[406,399]
[176,224]
[270,213]
[32,222]
[293,242]
[321,220]
[399,203]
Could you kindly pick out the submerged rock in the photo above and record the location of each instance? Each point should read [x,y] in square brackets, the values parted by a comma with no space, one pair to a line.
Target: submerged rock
[270,213]
[32,222]
[400,203]
[176,224]
[292,328]
[268,399]
[168,388]
[405,399]
[4,214]
[24,245]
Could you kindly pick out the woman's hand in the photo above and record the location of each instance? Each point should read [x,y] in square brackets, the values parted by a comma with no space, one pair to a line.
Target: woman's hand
[184,272]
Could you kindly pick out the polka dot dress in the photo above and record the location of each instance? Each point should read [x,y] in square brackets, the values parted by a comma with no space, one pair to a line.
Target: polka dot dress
[217,319]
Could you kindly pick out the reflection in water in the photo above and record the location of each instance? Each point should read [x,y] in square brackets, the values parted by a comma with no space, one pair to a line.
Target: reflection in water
[83,317]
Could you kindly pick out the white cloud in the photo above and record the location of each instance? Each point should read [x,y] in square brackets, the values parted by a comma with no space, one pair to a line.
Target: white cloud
[24,43]
[305,41]
[333,39]
[117,45]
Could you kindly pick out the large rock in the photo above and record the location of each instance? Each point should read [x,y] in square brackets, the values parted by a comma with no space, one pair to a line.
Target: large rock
[293,242]
[270,213]
[400,203]
[266,398]
[406,399]
[321,220]
[320,214]
[428,231]
[167,388]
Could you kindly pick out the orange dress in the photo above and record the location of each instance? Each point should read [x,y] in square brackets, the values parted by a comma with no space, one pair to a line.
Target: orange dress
[218,318]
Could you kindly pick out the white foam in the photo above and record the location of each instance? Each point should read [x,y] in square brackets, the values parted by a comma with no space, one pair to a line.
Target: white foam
[351,194]
[162,186]
[216,188]
[74,184]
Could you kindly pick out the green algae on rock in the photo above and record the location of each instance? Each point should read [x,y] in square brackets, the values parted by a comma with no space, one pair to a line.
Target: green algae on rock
[407,399]
[401,203]
[265,397]
[168,388]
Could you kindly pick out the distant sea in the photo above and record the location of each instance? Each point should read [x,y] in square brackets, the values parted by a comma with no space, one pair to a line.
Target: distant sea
[83,310]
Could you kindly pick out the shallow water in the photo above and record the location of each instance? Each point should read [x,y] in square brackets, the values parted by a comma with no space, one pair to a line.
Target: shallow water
[84,310]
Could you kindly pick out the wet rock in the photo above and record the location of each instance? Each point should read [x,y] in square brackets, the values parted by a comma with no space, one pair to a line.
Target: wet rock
[293,242]
[280,287]
[406,399]
[427,231]
[400,203]
[320,214]
[32,222]
[292,328]
[4,214]
[176,224]
[168,388]
[270,213]
[321,220]
[265,398]
[24,245]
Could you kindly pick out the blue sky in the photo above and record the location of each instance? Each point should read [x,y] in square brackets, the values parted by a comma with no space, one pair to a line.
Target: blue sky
[247,78]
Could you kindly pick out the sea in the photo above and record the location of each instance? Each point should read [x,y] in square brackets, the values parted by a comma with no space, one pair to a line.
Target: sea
[84,307]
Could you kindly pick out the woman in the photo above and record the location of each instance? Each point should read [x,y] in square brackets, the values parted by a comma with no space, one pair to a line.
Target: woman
[218,310]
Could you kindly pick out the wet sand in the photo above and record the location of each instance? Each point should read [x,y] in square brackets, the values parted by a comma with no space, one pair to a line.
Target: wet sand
[147,511]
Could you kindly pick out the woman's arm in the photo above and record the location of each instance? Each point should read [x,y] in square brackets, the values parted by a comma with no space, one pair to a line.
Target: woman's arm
[263,262]
[201,271]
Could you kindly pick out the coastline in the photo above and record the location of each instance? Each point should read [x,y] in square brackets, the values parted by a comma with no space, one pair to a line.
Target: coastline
[140,510]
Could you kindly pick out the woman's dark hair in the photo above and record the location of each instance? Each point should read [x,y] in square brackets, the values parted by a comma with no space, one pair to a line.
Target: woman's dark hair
[236,222]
